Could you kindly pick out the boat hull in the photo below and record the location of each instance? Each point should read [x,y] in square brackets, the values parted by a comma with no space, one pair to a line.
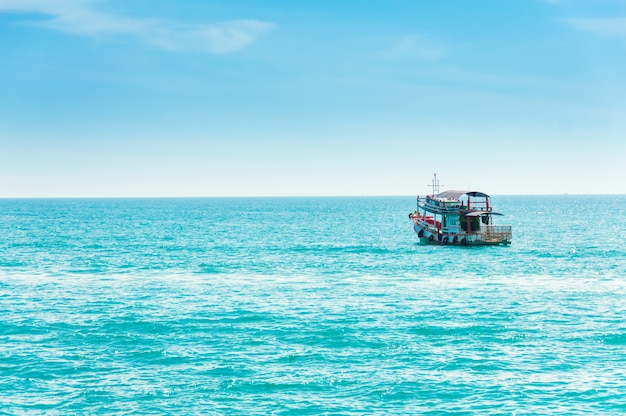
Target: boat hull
[433,236]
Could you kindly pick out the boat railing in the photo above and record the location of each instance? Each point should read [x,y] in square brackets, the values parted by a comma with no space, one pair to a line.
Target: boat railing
[437,208]
[494,234]
[477,207]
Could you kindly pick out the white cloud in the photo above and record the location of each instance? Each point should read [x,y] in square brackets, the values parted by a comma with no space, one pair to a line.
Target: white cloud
[79,17]
[613,26]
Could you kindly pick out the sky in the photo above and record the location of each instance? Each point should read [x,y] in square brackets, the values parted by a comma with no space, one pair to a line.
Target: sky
[146,98]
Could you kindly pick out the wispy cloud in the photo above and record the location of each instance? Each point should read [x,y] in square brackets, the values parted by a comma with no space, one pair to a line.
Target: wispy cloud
[610,26]
[80,17]
[415,45]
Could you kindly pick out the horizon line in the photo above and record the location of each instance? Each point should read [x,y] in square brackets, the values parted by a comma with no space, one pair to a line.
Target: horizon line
[281,196]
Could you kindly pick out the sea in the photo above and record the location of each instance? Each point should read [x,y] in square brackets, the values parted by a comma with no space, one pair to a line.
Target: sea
[306,306]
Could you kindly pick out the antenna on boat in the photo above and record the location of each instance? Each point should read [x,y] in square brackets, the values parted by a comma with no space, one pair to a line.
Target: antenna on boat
[435,185]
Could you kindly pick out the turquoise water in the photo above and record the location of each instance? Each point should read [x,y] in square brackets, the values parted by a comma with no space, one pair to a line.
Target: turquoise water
[309,306]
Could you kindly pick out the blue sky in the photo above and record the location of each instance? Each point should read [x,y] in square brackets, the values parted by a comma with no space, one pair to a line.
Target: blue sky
[311,97]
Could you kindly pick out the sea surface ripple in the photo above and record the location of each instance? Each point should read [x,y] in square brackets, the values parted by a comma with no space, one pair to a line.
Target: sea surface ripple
[308,306]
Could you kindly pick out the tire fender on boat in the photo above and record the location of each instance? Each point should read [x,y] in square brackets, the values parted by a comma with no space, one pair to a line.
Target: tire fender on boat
[455,239]
[464,241]
[439,237]
[421,233]
[431,238]
[445,240]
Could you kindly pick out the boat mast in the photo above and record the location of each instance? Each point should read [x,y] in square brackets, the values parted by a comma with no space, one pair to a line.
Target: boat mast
[435,185]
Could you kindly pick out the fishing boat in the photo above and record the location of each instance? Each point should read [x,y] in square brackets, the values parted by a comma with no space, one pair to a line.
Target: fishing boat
[458,218]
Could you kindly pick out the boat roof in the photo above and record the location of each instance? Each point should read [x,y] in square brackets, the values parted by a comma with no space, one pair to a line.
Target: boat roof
[456,194]
[479,213]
